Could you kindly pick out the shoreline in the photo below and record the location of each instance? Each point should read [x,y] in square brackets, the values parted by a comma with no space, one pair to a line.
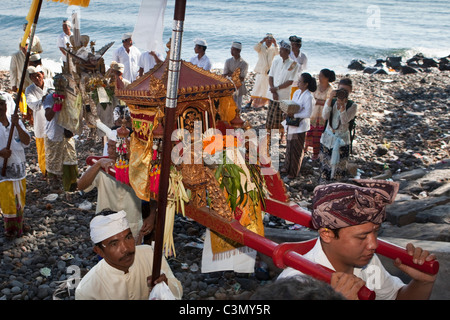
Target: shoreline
[403,125]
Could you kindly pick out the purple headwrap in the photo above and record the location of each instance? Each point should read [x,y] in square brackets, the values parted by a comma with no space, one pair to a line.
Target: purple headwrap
[340,205]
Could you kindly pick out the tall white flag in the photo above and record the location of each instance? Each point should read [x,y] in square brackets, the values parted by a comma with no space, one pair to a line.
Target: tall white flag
[149,28]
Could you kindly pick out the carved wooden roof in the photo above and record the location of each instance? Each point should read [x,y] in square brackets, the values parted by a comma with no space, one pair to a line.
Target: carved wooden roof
[194,84]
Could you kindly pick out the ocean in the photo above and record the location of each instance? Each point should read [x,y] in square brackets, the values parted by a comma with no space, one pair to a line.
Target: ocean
[333,32]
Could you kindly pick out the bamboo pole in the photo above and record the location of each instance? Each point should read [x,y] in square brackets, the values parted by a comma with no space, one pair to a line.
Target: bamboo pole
[169,125]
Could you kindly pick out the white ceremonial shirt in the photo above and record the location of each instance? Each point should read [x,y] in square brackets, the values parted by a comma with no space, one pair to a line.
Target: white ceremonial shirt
[34,96]
[265,57]
[302,61]
[374,274]
[114,195]
[129,60]
[282,71]
[203,62]
[16,69]
[16,165]
[104,282]
[147,61]
[61,42]
[306,101]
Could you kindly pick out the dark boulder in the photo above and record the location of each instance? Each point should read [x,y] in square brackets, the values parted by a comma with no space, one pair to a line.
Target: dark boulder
[357,65]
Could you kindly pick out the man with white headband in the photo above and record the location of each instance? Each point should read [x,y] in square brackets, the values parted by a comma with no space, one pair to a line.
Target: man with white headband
[63,39]
[231,65]
[129,56]
[125,271]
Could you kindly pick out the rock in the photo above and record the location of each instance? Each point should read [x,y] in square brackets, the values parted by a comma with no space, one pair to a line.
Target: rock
[408,70]
[369,70]
[439,214]
[357,65]
[381,150]
[394,62]
[405,212]
[429,63]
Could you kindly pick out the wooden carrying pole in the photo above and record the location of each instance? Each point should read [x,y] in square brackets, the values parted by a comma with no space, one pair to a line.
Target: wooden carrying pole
[22,81]
[169,124]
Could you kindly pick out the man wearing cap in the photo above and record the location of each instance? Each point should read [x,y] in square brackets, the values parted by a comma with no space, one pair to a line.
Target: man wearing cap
[36,46]
[35,94]
[299,57]
[16,68]
[35,60]
[201,60]
[64,39]
[129,56]
[60,151]
[267,49]
[125,271]
[348,218]
[231,65]
[281,76]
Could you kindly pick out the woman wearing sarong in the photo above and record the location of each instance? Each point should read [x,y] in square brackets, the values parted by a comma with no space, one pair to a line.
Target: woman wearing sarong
[296,132]
[317,123]
[12,184]
[335,140]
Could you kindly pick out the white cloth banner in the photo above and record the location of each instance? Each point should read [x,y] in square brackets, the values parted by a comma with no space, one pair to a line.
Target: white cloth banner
[149,28]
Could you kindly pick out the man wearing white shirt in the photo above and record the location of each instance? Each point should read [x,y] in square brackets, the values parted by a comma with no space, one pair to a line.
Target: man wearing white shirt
[124,271]
[129,56]
[348,218]
[299,57]
[34,94]
[148,60]
[201,59]
[281,76]
[16,68]
[64,39]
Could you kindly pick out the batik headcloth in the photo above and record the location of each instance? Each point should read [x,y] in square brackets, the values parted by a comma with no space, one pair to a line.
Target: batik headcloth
[340,205]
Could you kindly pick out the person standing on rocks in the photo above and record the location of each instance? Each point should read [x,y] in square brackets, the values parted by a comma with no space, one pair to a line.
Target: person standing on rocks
[317,125]
[201,60]
[13,184]
[35,94]
[63,40]
[16,68]
[296,132]
[298,56]
[348,218]
[335,141]
[231,65]
[281,76]
[267,50]
[125,271]
[60,151]
[129,56]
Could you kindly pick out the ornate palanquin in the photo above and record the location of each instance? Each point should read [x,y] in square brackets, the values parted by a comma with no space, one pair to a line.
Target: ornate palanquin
[202,96]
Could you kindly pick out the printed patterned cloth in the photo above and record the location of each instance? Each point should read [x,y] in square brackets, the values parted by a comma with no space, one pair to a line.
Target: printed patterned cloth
[340,205]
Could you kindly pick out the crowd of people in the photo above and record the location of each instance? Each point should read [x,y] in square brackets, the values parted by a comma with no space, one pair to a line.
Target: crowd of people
[346,215]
